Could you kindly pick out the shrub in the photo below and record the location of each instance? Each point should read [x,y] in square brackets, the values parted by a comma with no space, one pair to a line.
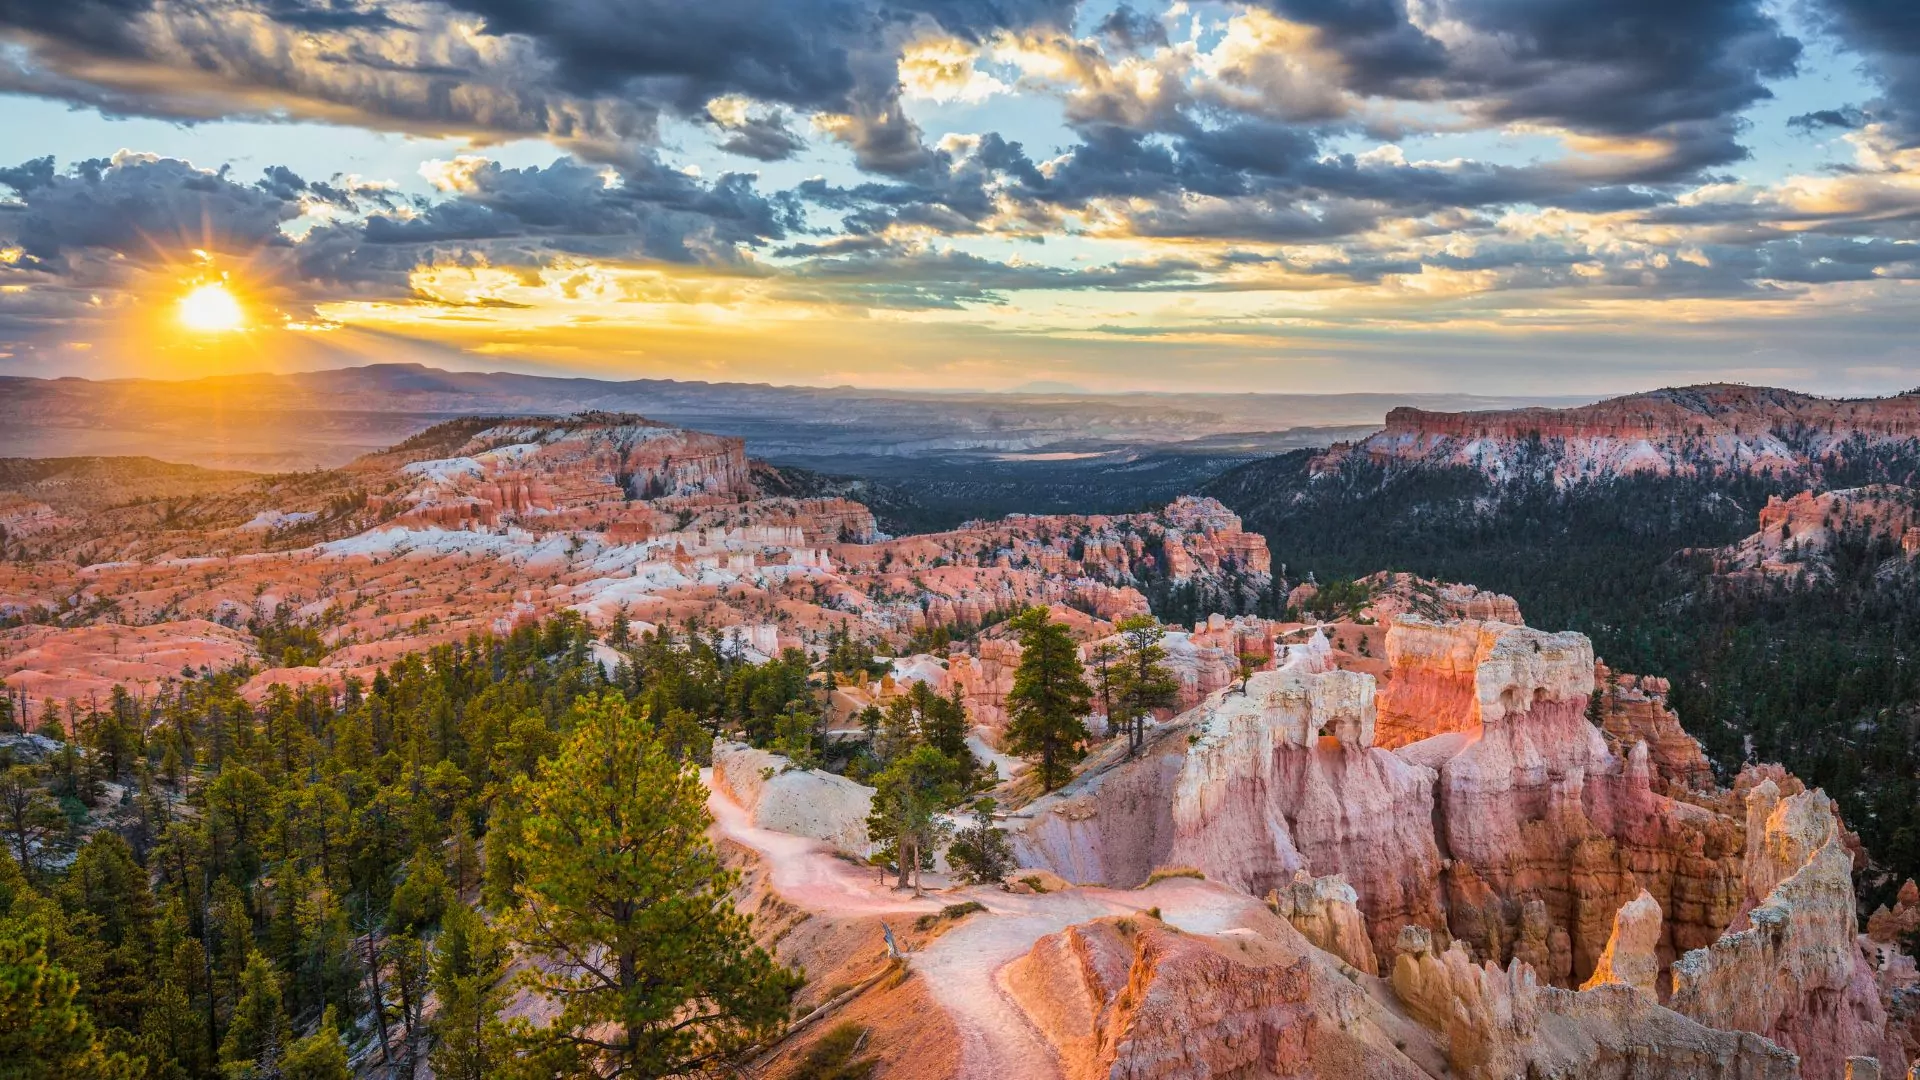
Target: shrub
[837,1056]
[1166,872]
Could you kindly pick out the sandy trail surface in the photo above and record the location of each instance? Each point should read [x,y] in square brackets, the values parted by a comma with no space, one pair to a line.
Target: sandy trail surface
[807,872]
[962,967]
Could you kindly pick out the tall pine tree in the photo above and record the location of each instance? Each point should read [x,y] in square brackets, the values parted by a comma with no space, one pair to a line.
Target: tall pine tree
[1047,706]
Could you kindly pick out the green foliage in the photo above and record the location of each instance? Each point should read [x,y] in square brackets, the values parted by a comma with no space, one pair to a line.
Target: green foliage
[44,1033]
[423,896]
[280,862]
[837,1056]
[469,961]
[981,853]
[286,643]
[1047,706]
[31,819]
[653,971]
[1141,681]
[319,1056]
[950,913]
[257,1032]
[908,796]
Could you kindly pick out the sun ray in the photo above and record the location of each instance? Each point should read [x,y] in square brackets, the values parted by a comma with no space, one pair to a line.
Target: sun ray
[211,308]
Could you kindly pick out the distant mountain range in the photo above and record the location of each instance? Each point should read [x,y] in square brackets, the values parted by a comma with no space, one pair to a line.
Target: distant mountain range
[960,454]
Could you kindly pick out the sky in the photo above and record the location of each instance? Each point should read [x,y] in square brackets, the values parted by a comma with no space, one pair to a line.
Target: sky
[1490,196]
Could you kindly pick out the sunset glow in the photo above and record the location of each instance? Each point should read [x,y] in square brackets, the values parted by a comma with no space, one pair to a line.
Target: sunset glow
[211,309]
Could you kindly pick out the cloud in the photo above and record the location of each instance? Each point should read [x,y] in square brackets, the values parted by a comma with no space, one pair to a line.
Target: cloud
[142,208]
[593,77]
[1846,118]
[1887,34]
[753,131]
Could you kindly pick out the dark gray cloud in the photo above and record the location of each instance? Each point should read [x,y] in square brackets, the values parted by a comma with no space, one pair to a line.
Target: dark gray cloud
[895,276]
[142,209]
[1604,66]
[1846,118]
[1887,34]
[761,134]
[1130,31]
[95,229]
[592,73]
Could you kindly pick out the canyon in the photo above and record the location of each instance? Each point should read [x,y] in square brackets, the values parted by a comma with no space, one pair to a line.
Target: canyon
[1387,829]
[1520,891]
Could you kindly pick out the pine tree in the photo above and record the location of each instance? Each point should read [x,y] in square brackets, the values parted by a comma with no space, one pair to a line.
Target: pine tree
[1048,704]
[980,851]
[31,818]
[943,723]
[907,798]
[652,969]
[256,1034]
[44,1033]
[469,961]
[1142,682]
[319,1056]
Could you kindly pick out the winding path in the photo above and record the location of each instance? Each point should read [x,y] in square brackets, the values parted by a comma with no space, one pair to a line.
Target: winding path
[962,966]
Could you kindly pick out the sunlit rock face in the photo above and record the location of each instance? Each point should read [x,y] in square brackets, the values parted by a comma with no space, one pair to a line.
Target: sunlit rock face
[1632,957]
[1795,541]
[1792,968]
[1135,998]
[1463,674]
[1284,778]
[1699,429]
[477,526]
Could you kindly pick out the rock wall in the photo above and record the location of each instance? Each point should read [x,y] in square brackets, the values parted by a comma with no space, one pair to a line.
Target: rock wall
[1632,958]
[1794,969]
[1501,1023]
[1684,430]
[1633,708]
[1539,807]
[1113,828]
[1326,912]
[778,796]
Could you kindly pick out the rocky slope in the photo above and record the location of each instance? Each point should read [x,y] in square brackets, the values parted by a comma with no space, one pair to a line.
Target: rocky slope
[478,523]
[1527,851]
[1713,428]
[1800,537]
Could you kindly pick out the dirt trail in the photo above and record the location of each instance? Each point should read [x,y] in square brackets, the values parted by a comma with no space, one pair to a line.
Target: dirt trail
[807,872]
[962,966]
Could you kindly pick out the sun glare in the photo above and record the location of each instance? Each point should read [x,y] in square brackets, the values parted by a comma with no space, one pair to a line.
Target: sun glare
[211,309]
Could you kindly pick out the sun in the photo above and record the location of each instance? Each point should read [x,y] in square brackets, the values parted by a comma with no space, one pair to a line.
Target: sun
[211,309]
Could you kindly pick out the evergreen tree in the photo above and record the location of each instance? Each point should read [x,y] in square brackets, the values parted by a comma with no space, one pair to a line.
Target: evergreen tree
[653,971]
[45,1034]
[1142,682]
[32,820]
[981,852]
[256,1034]
[1047,706]
[319,1056]
[469,961]
[907,798]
